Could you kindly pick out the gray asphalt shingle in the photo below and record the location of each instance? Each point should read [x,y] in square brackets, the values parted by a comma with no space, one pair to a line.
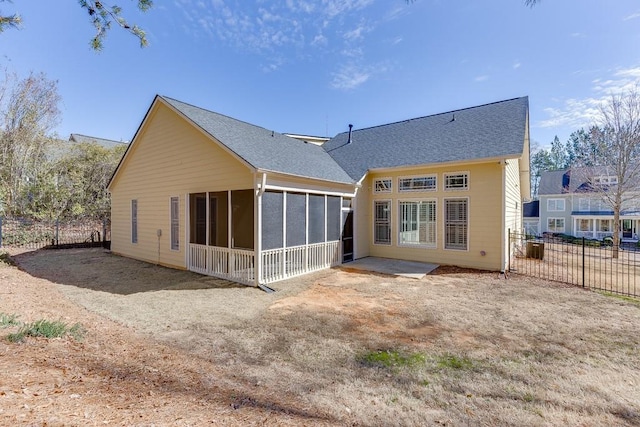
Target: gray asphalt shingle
[265,149]
[496,130]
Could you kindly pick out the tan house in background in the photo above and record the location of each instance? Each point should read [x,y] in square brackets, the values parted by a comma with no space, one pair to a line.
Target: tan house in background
[202,191]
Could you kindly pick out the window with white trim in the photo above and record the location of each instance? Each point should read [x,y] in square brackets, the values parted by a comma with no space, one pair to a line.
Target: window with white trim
[134,221]
[382,222]
[555,225]
[456,181]
[418,183]
[584,225]
[583,205]
[382,185]
[175,223]
[555,205]
[456,225]
[604,225]
[417,223]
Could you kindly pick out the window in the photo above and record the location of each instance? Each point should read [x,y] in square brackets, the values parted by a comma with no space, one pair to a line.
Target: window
[417,183]
[418,223]
[134,221]
[175,223]
[555,205]
[456,181]
[455,224]
[555,225]
[382,185]
[382,222]
[583,205]
[604,225]
[584,225]
[605,180]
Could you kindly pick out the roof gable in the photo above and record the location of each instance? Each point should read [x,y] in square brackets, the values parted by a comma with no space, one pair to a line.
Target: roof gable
[496,130]
[264,149]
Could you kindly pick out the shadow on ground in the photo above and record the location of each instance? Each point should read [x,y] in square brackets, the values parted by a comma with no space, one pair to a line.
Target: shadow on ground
[99,270]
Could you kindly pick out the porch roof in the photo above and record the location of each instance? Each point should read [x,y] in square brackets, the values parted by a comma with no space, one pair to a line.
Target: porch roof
[264,149]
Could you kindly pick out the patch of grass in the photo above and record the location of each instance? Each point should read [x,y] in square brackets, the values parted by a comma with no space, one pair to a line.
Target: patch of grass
[632,300]
[391,359]
[7,320]
[47,329]
[450,361]
[6,259]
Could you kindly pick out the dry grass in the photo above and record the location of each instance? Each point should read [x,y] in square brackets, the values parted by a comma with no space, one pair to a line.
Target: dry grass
[457,348]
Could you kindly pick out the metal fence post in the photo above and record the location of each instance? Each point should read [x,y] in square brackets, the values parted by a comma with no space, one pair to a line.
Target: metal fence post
[104,229]
[583,267]
[57,231]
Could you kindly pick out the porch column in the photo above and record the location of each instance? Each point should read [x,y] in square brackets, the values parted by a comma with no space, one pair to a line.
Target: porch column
[257,262]
[284,233]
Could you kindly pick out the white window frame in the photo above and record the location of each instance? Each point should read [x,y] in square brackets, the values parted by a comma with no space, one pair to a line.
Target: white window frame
[174,223]
[431,224]
[449,175]
[383,188]
[555,228]
[582,202]
[601,221]
[446,222]
[388,221]
[579,222]
[134,221]
[555,205]
[413,180]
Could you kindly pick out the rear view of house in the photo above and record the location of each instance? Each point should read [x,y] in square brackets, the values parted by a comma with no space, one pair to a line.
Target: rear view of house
[202,191]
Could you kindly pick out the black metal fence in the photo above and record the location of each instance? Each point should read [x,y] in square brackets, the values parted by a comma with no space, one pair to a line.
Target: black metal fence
[589,263]
[36,234]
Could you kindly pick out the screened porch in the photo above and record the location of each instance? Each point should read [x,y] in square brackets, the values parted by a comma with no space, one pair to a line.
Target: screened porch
[262,237]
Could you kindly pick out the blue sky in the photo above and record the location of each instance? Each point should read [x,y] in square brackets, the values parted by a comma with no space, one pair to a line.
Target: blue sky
[314,66]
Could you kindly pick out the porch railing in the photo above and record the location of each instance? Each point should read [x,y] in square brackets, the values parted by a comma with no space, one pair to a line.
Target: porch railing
[283,263]
[225,263]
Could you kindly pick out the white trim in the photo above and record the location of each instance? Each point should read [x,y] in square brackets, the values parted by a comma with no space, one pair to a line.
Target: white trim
[444,224]
[374,187]
[556,200]
[564,224]
[373,216]
[187,229]
[433,245]
[171,224]
[445,175]
[418,190]
[308,191]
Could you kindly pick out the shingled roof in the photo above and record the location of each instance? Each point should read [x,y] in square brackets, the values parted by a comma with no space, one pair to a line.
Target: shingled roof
[264,149]
[496,130]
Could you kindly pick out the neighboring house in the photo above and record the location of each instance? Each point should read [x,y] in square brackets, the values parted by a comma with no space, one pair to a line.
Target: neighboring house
[531,218]
[571,204]
[205,192]
[106,143]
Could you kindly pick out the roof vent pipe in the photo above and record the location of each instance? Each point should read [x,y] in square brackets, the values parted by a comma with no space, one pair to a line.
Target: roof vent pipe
[350,128]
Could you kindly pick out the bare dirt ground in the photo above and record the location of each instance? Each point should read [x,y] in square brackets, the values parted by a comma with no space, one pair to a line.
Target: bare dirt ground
[165,347]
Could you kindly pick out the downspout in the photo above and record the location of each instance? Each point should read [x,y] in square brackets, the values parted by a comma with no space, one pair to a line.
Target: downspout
[504,249]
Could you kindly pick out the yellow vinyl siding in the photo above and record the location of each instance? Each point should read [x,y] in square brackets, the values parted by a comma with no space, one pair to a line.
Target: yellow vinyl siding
[513,202]
[363,225]
[484,216]
[169,157]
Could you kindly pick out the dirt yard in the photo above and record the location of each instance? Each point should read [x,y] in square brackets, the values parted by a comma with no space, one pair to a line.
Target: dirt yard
[165,347]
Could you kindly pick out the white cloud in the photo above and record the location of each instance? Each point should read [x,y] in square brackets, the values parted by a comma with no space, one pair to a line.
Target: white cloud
[481,78]
[516,65]
[577,113]
[632,16]
[349,77]
[578,35]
